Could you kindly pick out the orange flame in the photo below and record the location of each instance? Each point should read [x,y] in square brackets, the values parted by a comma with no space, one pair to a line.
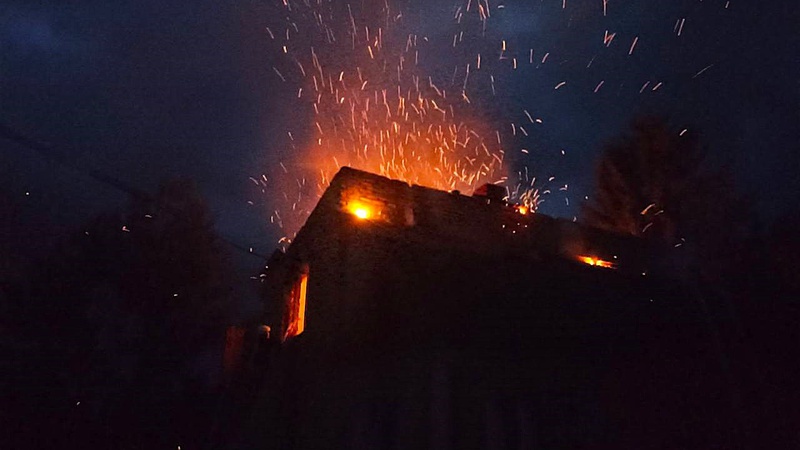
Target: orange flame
[594,261]
[373,108]
[360,211]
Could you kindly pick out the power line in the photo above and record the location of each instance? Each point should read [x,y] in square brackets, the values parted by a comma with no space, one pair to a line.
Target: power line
[48,152]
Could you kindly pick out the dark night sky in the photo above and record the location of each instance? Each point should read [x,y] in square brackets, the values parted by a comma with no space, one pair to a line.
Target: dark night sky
[148,90]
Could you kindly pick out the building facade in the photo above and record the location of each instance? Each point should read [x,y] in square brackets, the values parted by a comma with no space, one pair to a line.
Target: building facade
[407,317]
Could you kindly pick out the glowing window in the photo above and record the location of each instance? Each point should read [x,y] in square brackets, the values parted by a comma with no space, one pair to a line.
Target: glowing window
[360,210]
[362,206]
[296,308]
[368,208]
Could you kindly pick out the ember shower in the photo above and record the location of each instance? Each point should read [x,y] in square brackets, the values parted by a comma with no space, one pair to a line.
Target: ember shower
[379,98]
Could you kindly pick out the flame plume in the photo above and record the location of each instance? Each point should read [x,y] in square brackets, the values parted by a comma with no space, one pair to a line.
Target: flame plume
[357,70]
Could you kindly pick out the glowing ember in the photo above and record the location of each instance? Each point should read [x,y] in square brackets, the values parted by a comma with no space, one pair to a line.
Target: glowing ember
[594,261]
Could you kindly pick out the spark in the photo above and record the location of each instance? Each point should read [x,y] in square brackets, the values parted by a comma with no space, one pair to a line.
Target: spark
[679,26]
[703,70]
[646,210]
[279,74]
[607,38]
[597,88]
[633,45]
[528,115]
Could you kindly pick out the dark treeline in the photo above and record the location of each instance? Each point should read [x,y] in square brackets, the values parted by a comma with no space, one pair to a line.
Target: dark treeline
[660,183]
[113,340]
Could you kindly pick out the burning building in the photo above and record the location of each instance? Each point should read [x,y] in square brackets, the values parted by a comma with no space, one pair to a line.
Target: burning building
[407,317]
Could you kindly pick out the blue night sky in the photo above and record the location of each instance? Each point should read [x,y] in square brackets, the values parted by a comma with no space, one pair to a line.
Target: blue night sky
[147,90]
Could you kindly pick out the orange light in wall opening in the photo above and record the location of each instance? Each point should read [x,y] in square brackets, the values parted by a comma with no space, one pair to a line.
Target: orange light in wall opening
[359,210]
[593,261]
[522,210]
[296,308]
[301,310]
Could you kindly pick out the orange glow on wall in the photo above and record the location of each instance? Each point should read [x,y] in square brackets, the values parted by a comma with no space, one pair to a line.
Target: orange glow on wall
[297,308]
[594,261]
[522,210]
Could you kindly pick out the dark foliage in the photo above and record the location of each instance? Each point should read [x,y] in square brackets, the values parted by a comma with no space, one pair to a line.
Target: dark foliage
[658,184]
[109,333]
[655,182]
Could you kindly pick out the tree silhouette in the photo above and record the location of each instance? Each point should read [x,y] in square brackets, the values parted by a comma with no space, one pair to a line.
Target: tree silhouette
[126,307]
[644,179]
[179,272]
[656,182]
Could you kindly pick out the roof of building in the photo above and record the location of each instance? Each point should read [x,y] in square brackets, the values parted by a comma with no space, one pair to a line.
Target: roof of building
[481,223]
